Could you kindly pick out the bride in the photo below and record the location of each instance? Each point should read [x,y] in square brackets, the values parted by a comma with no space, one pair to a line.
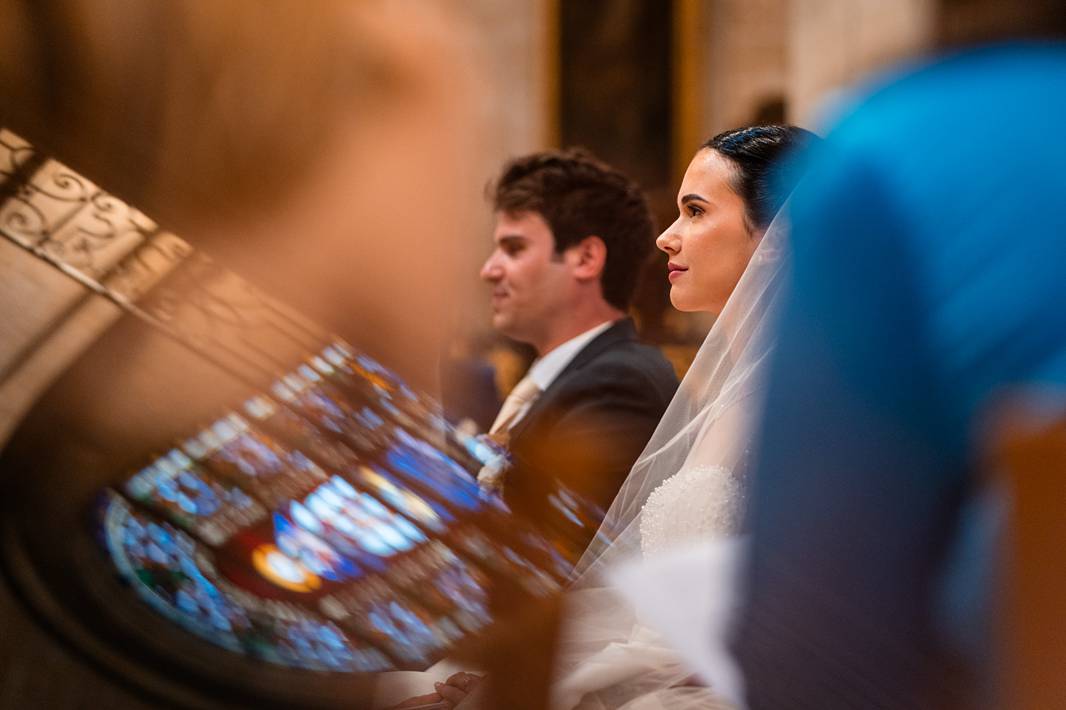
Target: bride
[725,257]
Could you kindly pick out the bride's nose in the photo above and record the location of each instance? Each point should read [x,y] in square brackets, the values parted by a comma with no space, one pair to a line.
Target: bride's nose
[668,241]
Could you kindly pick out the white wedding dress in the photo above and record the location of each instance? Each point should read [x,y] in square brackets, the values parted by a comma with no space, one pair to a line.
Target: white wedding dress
[637,670]
[640,671]
[696,503]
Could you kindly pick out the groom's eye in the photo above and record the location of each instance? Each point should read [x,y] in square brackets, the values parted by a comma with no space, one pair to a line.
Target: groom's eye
[512,247]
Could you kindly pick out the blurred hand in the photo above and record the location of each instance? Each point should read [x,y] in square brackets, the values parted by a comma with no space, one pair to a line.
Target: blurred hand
[458,686]
[418,701]
[451,692]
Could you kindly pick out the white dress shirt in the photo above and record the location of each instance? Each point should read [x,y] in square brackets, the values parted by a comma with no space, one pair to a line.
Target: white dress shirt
[541,374]
[546,368]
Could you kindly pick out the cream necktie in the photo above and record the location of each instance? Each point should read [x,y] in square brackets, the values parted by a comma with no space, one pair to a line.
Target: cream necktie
[515,405]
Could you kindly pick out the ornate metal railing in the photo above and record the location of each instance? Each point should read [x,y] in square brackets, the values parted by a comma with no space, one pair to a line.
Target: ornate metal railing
[116,251]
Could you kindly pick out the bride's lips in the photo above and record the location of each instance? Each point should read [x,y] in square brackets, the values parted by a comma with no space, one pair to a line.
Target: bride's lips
[674,271]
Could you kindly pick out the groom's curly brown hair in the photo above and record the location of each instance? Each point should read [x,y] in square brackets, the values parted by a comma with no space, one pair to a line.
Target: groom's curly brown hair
[579,196]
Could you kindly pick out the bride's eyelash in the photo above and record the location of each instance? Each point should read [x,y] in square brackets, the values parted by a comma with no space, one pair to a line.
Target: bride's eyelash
[694,211]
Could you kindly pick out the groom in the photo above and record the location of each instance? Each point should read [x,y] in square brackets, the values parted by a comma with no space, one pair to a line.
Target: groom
[570,239]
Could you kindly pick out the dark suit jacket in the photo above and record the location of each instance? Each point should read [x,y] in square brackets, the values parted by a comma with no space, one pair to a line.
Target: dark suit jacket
[575,446]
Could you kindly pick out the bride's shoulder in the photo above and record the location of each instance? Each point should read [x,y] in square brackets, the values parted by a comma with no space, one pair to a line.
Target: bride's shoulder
[701,475]
[700,480]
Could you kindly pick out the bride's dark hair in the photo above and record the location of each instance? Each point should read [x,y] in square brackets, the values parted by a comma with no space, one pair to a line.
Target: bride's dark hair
[757,153]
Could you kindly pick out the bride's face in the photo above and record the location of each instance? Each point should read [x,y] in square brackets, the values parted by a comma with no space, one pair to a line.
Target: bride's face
[710,242]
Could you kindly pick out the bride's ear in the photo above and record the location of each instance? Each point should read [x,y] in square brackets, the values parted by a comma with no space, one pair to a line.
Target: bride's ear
[589,258]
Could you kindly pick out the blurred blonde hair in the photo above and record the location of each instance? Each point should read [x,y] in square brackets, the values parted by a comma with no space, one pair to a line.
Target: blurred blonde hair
[286,137]
[186,107]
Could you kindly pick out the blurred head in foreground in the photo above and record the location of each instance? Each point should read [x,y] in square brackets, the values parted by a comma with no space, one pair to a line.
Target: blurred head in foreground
[926,284]
[318,148]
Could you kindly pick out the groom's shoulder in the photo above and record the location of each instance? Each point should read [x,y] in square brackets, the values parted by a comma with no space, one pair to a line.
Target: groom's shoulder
[629,353]
[630,363]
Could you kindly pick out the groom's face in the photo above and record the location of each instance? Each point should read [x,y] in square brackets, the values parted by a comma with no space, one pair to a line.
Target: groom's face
[530,281]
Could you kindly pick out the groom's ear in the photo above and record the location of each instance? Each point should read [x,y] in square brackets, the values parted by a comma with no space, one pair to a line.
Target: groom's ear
[588,258]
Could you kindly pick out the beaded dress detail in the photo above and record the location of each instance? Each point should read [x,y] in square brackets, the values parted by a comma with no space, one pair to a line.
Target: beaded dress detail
[697,503]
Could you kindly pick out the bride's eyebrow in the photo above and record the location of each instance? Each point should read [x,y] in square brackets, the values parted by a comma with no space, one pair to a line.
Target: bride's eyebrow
[693,197]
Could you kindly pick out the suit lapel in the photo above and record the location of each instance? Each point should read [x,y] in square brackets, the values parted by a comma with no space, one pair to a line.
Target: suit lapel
[621,331]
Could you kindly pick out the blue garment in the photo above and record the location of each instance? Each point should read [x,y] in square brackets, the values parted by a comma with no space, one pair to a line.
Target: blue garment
[929,275]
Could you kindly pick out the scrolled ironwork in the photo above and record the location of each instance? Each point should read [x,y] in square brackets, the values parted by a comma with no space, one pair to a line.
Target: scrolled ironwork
[21,220]
[60,183]
[118,252]
[143,268]
[100,235]
[221,314]
[15,153]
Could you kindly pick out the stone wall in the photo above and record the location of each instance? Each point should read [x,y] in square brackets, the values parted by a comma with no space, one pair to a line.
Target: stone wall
[805,52]
[744,58]
[834,44]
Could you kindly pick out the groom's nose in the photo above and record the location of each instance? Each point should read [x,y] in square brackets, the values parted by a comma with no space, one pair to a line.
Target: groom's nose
[491,270]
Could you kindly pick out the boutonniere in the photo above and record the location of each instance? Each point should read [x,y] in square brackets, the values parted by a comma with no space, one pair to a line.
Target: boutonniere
[491,475]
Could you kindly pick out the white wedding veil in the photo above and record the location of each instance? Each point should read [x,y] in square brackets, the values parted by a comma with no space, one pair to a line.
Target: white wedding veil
[708,424]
